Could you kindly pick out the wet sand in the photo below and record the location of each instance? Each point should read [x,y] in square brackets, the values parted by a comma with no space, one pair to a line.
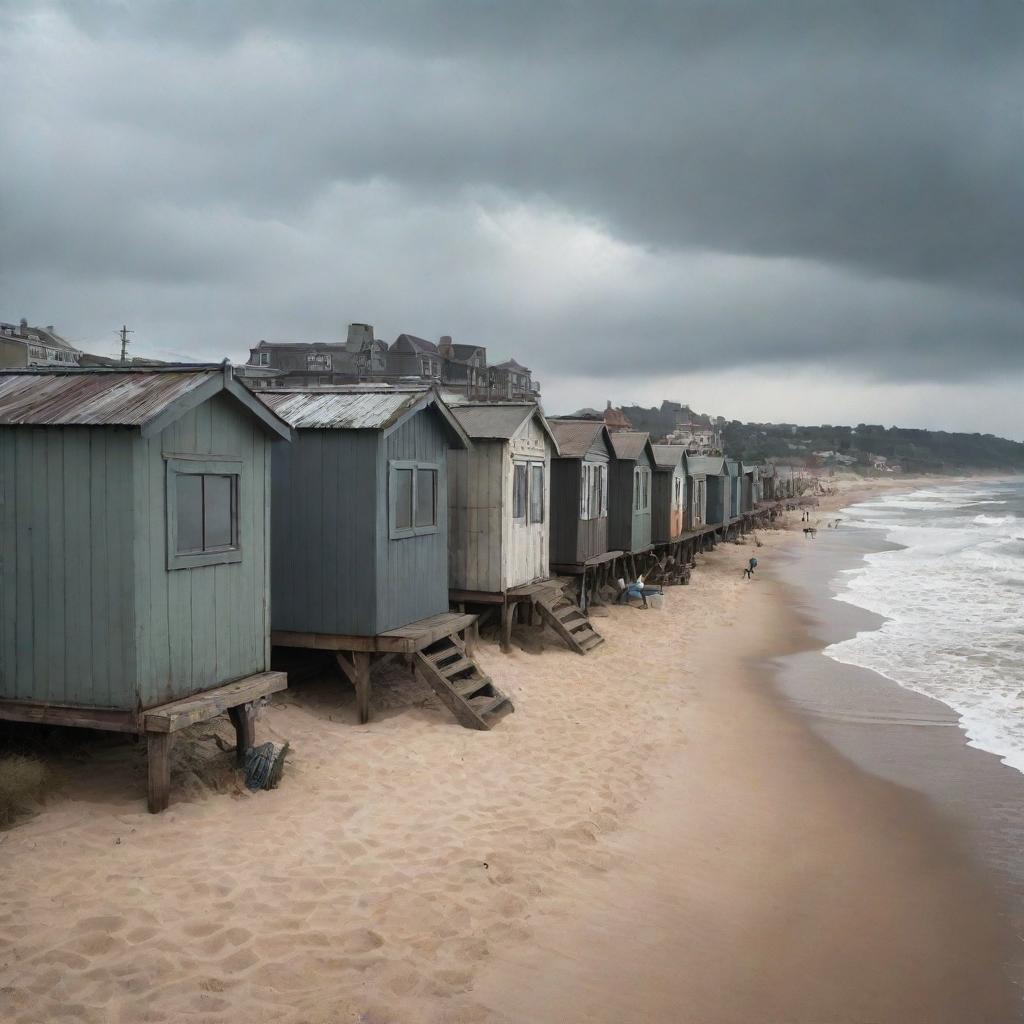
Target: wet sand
[655,835]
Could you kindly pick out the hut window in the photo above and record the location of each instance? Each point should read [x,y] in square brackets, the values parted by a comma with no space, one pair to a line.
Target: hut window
[536,492]
[519,490]
[412,498]
[641,489]
[202,512]
[677,497]
[593,490]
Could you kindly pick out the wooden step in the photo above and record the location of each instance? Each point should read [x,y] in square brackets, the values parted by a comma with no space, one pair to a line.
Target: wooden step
[472,698]
[568,621]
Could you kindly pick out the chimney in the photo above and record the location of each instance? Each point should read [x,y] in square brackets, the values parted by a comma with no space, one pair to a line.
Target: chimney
[444,346]
[360,336]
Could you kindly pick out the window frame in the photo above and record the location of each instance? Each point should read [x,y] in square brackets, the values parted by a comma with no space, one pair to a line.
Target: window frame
[641,490]
[203,465]
[401,533]
[534,466]
[591,474]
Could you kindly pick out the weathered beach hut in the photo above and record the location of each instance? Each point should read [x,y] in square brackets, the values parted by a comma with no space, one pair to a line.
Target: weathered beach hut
[697,467]
[748,474]
[579,494]
[360,511]
[629,493]
[668,495]
[135,552]
[735,488]
[499,494]
[719,492]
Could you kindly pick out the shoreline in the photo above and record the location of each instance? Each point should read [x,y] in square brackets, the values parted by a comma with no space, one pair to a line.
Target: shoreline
[656,834]
[818,892]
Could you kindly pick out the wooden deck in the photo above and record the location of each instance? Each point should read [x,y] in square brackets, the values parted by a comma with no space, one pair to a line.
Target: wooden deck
[403,640]
[579,568]
[355,654]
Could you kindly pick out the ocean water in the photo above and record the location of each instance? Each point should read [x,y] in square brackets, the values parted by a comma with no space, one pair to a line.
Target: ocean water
[952,595]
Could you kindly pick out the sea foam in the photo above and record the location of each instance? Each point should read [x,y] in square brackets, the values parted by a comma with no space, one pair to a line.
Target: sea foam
[951,598]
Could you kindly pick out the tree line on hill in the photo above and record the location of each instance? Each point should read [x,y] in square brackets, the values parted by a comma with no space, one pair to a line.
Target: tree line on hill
[862,447]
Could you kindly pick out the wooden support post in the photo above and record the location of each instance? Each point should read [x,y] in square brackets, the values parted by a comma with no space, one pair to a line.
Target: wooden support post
[243,718]
[159,749]
[357,671]
[507,612]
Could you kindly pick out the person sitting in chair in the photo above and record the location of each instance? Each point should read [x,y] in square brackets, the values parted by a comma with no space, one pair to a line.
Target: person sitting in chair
[637,589]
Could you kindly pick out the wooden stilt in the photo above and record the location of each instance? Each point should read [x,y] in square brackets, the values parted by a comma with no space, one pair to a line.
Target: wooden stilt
[243,718]
[356,668]
[507,611]
[159,749]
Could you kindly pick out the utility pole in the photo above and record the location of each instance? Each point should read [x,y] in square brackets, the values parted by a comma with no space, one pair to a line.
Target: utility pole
[124,332]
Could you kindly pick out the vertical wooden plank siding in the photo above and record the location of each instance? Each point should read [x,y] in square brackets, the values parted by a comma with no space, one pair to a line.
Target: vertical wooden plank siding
[65,608]
[324,524]
[620,504]
[201,627]
[526,556]
[566,525]
[412,572]
[478,497]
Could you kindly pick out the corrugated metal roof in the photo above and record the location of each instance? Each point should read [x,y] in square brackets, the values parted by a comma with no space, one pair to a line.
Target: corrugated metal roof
[706,465]
[629,444]
[123,398]
[668,456]
[493,422]
[355,408]
[575,437]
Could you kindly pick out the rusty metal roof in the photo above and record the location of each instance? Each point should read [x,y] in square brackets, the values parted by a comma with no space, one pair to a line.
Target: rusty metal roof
[575,437]
[122,398]
[113,397]
[668,456]
[344,408]
[356,407]
[630,444]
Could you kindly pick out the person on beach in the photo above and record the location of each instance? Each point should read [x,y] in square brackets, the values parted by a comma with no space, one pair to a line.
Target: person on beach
[749,571]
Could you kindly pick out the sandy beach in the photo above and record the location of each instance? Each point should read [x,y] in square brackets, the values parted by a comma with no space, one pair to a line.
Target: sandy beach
[655,835]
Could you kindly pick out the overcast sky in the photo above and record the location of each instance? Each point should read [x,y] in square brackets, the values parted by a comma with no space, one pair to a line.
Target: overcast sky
[771,209]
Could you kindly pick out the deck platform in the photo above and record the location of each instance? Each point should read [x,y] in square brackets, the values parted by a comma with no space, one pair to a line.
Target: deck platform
[158,724]
[354,654]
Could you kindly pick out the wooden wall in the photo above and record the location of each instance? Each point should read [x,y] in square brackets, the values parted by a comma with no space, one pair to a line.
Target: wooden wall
[476,513]
[412,572]
[67,631]
[667,520]
[199,628]
[325,516]
[526,546]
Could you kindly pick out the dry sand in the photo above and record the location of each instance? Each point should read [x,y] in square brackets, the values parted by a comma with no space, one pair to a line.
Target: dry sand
[652,836]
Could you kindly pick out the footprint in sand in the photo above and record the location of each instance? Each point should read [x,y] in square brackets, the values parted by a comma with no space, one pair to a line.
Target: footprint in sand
[360,940]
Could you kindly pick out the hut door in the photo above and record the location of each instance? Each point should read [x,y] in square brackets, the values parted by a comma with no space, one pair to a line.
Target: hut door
[528,540]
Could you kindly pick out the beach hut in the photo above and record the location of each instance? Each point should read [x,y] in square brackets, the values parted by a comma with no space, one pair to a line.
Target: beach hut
[748,475]
[629,494]
[668,495]
[360,510]
[735,488]
[135,552]
[719,492]
[499,496]
[697,467]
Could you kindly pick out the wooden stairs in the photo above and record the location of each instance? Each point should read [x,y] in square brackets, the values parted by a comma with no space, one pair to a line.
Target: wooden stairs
[563,615]
[456,678]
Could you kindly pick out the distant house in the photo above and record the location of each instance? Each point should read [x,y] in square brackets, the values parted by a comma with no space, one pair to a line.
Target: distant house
[363,358]
[22,347]
[616,419]
[135,552]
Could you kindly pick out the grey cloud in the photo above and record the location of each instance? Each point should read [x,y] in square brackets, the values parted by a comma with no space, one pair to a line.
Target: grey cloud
[828,182]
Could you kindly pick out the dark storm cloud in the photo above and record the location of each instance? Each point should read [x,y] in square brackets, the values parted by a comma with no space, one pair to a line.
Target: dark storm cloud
[778,181]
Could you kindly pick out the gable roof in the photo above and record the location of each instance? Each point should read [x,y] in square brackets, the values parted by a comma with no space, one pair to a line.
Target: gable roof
[358,407]
[511,364]
[576,437]
[150,398]
[466,352]
[500,421]
[416,344]
[668,456]
[630,445]
[705,465]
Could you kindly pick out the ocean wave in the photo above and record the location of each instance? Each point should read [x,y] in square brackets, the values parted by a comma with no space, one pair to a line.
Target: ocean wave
[953,624]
